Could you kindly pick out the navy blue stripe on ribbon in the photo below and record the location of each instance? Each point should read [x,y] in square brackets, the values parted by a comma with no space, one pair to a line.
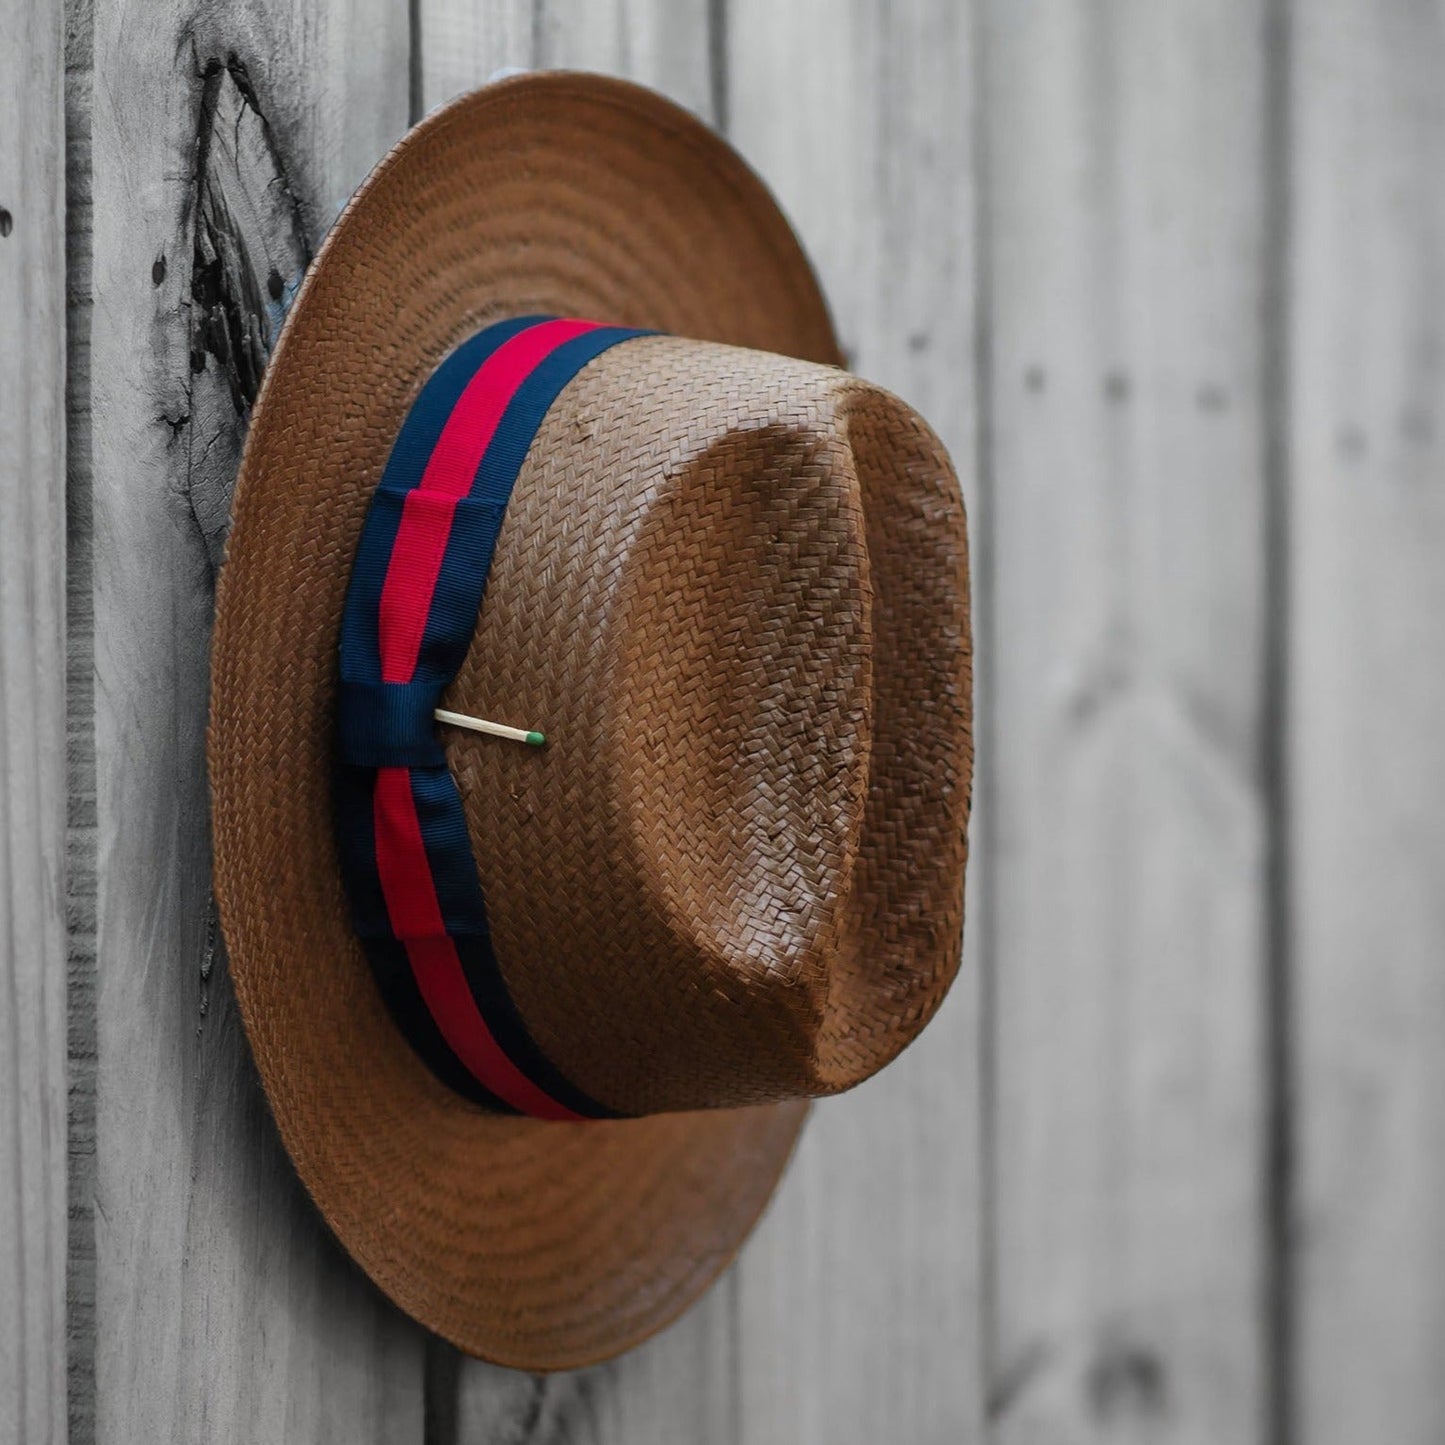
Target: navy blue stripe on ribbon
[390,966]
[475,528]
[360,646]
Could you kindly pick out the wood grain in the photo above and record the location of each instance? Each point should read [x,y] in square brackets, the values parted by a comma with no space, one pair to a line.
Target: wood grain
[80,879]
[461,46]
[1366,714]
[661,43]
[32,727]
[222,141]
[1125,207]
[860,1297]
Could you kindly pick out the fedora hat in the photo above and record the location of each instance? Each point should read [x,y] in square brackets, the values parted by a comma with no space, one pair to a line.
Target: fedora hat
[556,440]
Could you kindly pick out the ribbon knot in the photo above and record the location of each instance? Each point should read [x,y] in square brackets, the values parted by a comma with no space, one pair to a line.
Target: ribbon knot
[388,724]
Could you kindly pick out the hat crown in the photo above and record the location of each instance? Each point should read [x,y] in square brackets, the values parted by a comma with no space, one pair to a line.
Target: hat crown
[734,874]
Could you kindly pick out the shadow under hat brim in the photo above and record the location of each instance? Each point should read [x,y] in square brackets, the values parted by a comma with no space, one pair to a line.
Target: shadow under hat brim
[536,1245]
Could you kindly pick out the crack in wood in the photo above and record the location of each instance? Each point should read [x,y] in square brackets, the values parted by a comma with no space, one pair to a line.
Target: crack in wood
[1018,1376]
[249,250]
[1128,1381]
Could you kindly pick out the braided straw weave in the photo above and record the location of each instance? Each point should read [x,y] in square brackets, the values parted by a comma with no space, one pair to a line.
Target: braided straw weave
[732,588]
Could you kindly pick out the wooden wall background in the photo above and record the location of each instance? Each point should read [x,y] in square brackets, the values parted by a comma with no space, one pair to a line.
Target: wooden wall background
[1169,276]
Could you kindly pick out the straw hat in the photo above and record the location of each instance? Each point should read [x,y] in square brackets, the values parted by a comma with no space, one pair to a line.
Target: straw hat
[539,1024]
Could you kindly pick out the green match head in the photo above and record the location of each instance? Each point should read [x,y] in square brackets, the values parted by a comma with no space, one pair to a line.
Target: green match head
[536,739]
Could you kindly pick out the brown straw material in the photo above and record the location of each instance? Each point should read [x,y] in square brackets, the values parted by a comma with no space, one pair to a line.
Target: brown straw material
[732,589]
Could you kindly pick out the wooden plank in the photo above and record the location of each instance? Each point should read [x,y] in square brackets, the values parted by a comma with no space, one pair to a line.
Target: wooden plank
[223,141]
[1366,712]
[32,726]
[1127,175]
[80,880]
[661,43]
[679,1386]
[859,1299]
[461,45]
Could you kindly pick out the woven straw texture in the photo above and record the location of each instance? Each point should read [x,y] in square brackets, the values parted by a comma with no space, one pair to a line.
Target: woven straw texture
[732,587]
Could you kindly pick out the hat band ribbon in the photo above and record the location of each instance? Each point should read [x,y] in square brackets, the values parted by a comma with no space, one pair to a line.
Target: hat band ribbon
[411,608]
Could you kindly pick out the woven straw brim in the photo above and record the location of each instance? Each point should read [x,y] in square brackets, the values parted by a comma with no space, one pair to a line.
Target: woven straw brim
[542,1246]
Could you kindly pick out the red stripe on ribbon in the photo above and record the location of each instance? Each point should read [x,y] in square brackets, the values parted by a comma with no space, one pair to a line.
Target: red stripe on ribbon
[426,518]
[416,919]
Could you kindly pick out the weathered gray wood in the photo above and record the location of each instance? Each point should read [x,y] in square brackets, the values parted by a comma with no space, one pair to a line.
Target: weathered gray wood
[80,733]
[1126,181]
[664,45]
[461,46]
[32,726]
[1366,715]
[860,1297]
[222,141]
[679,1386]
[661,43]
